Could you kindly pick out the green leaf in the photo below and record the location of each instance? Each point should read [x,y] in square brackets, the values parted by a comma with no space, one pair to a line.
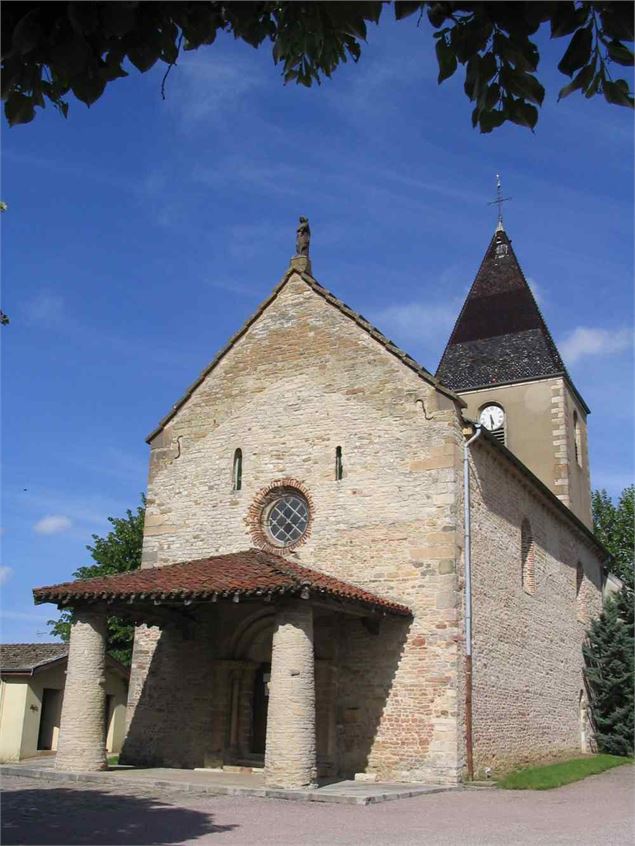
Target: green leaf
[620,53]
[403,10]
[523,113]
[565,18]
[27,33]
[84,17]
[88,88]
[489,120]
[19,109]
[528,87]
[492,97]
[471,77]
[616,93]
[578,52]
[143,57]
[446,59]
[580,81]
[118,18]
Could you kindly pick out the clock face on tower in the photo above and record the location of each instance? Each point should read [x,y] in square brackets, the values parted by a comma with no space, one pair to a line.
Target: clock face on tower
[492,417]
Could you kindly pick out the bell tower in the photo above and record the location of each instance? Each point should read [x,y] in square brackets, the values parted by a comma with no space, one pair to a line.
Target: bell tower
[502,360]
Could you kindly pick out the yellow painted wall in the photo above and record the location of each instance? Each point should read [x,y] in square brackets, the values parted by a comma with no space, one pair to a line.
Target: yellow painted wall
[539,431]
[12,711]
[21,711]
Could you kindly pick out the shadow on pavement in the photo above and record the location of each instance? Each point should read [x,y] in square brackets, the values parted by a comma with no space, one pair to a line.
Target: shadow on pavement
[72,816]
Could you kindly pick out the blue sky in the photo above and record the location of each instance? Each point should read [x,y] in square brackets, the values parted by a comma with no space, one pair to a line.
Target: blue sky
[141,234]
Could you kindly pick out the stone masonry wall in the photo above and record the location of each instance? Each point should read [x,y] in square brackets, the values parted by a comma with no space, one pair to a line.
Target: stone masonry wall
[527,647]
[301,381]
[571,479]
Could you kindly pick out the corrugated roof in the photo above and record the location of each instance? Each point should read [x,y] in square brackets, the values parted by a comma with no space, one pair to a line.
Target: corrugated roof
[249,574]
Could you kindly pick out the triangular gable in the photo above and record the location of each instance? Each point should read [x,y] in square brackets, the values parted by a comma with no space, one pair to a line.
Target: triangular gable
[357,318]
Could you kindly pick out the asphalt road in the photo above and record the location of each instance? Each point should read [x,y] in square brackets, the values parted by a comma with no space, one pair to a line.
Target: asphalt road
[598,811]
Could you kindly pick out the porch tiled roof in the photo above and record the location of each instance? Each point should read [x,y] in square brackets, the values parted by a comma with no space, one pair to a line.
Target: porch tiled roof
[250,574]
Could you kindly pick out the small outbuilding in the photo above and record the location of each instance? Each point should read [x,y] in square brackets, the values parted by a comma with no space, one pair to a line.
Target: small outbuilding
[33,676]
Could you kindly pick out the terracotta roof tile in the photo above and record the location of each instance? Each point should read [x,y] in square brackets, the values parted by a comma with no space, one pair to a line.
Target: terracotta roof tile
[251,573]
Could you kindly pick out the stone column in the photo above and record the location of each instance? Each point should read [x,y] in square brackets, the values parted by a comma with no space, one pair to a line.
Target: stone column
[82,741]
[290,760]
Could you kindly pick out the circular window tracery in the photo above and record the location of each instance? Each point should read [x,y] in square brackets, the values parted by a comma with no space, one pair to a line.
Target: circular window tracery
[281,515]
[286,519]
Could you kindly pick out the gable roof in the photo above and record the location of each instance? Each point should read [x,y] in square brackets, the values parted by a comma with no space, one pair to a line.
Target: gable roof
[28,657]
[500,336]
[253,573]
[357,318]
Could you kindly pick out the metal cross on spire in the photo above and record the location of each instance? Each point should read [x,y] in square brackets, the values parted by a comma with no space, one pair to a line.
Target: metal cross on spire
[499,201]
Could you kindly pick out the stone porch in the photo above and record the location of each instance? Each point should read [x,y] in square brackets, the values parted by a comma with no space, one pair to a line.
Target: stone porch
[241,673]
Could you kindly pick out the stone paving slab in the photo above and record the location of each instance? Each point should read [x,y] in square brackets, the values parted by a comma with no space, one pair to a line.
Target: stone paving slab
[226,784]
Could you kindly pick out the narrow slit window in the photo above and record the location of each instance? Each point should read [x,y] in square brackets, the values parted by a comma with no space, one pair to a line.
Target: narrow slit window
[580,598]
[528,556]
[339,466]
[577,439]
[237,476]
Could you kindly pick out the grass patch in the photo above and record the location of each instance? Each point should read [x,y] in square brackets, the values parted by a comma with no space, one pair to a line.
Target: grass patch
[555,775]
[113,760]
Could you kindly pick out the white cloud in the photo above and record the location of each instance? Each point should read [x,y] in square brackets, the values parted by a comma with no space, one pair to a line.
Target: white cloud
[416,321]
[208,88]
[5,573]
[22,615]
[45,309]
[585,341]
[536,290]
[52,524]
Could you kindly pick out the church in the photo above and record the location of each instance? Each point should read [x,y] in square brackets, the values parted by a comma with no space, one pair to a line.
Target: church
[353,567]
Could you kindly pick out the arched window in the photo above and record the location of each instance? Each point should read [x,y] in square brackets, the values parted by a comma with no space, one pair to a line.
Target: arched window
[237,473]
[528,556]
[577,438]
[339,467]
[580,598]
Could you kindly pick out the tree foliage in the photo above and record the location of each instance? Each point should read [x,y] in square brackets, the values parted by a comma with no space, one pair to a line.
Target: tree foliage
[608,651]
[608,658]
[51,49]
[614,526]
[118,552]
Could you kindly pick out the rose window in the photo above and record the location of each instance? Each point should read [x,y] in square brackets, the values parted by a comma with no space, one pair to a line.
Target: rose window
[287,518]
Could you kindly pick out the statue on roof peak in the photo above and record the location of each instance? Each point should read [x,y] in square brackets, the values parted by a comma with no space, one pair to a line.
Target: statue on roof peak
[303,237]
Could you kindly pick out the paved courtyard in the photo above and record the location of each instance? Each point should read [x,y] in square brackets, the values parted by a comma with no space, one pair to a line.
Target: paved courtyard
[596,811]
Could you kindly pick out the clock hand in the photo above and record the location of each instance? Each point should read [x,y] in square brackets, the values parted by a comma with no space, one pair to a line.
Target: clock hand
[491,420]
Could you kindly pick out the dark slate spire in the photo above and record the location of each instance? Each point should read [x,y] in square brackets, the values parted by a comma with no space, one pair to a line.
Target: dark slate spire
[500,336]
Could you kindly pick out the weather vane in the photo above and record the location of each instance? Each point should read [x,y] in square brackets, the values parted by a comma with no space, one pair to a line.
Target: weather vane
[499,201]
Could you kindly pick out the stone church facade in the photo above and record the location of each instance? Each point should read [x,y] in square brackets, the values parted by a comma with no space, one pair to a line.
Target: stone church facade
[301,601]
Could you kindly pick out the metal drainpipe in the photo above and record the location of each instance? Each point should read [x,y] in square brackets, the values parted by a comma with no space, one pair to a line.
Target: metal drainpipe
[467,569]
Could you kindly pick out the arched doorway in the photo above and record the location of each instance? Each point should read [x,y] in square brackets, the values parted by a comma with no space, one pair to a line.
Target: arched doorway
[251,648]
